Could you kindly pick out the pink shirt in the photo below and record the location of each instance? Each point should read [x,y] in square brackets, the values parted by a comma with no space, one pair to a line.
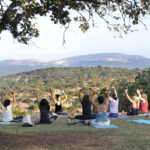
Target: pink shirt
[144,106]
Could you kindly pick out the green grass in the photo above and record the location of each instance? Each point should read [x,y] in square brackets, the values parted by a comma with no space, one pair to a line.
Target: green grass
[128,135]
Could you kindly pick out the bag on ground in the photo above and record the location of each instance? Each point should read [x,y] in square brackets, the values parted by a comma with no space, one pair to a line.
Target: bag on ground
[26,121]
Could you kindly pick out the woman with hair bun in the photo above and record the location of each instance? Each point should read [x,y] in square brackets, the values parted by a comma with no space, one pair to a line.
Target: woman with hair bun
[101,109]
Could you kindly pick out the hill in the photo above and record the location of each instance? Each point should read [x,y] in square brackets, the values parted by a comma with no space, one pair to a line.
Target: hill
[101,59]
[106,60]
[68,79]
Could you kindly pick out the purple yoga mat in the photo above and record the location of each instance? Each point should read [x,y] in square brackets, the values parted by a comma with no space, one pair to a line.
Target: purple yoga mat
[121,117]
[124,116]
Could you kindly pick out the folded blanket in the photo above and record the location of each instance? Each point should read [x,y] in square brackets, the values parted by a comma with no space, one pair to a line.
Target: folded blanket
[140,121]
[108,126]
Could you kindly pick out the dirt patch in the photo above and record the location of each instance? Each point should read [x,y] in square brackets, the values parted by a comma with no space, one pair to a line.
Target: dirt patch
[61,141]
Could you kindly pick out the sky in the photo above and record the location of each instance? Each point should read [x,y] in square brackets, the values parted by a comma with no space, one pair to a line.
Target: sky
[48,46]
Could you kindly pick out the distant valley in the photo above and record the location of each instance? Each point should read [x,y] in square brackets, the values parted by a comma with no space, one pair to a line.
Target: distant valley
[100,59]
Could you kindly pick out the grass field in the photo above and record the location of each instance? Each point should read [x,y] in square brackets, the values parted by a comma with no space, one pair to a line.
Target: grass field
[60,136]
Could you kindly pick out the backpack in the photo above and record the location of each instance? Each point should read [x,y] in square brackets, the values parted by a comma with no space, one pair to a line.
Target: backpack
[26,121]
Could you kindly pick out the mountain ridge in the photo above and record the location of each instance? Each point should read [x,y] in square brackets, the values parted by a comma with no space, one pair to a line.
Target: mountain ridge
[90,60]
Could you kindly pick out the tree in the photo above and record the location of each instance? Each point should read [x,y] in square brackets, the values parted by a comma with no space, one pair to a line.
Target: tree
[19,16]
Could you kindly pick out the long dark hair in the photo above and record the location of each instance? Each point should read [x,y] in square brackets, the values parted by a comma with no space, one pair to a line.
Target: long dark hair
[44,104]
[86,98]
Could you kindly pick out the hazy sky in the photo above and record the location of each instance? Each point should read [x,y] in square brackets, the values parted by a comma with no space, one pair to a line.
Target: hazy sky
[95,40]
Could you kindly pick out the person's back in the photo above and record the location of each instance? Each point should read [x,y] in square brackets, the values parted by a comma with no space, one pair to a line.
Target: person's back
[7,111]
[7,107]
[144,105]
[114,102]
[44,111]
[101,107]
[86,107]
[113,105]
[135,104]
[101,116]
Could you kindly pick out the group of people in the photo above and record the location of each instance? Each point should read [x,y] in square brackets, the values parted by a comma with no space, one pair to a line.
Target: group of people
[100,117]
[97,117]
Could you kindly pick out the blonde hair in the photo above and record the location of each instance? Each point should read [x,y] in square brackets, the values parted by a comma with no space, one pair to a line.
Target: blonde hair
[136,98]
[144,96]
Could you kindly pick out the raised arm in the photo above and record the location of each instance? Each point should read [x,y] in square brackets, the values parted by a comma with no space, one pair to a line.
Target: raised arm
[108,97]
[93,98]
[80,95]
[128,97]
[4,97]
[52,96]
[139,95]
[115,92]
[14,98]
[65,98]
[37,98]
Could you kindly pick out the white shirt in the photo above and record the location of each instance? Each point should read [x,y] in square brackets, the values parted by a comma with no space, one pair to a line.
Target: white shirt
[113,105]
[7,114]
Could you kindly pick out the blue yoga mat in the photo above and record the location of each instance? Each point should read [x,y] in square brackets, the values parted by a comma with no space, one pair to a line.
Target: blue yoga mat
[140,121]
[5,123]
[108,126]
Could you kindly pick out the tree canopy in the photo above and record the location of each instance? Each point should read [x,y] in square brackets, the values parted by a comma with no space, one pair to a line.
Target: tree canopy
[19,17]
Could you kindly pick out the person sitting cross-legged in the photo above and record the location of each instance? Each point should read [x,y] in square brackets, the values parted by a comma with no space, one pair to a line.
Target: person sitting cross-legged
[44,107]
[114,102]
[58,101]
[86,110]
[144,102]
[135,104]
[101,109]
[7,104]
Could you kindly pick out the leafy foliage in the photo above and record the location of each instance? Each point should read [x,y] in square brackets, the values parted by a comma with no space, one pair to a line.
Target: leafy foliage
[19,16]
[68,79]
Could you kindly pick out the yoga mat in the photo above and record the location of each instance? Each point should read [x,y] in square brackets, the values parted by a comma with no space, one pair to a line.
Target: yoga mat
[122,117]
[125,116]
[140,121]
[5,123]
[108,126]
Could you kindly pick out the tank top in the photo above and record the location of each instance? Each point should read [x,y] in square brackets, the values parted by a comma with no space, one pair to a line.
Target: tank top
[101,116]
[58,108]
[144,106]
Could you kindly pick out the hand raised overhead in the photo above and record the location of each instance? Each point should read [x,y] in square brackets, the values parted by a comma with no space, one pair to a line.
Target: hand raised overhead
[94,91]
[138,91]
[81,90]
[4,94]
[126,91]
[12,92]
[51,91]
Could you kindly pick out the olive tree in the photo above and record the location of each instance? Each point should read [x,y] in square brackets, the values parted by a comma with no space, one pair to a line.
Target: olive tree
[19,17]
